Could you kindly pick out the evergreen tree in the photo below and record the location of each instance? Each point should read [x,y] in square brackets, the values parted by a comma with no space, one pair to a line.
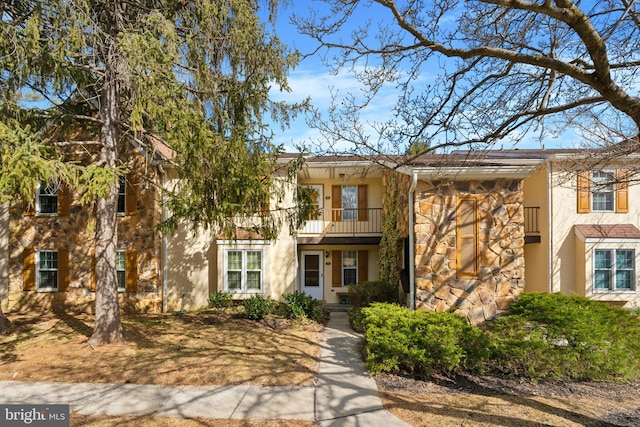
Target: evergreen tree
[194,74]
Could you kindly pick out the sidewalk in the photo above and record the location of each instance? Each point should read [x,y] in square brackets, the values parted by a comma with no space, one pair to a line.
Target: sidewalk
[344,394]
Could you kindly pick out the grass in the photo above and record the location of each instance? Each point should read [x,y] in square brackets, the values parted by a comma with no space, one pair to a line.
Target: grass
[206,348]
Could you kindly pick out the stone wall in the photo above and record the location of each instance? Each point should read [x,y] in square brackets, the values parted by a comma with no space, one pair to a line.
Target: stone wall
[500,247]
[75,232]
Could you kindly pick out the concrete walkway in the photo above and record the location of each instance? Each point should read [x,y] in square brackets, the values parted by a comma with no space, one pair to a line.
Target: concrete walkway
[344,394]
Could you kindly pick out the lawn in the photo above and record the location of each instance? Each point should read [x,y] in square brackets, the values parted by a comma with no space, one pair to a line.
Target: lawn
[207,348]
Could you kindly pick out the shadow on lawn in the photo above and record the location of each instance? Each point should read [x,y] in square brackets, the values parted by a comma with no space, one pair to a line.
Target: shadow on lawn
[476,413]
[186,349]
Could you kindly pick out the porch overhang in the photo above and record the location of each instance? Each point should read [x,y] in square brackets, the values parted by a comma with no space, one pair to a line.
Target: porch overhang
[323,240]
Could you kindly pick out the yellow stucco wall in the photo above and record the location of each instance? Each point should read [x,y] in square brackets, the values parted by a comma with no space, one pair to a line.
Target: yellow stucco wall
[536,255]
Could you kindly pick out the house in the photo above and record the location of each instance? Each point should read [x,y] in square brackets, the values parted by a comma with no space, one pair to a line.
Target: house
[49,251]
[477,230]
[588,212]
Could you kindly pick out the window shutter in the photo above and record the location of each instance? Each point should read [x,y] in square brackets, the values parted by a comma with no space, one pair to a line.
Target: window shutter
[132,270]
[622,191]
[336,203]
[64,200]
[584,191]
[29,270]
[336,269]
[363,266]
[93,269]
[63,270]
[467,238]
[363,213]
[130,196]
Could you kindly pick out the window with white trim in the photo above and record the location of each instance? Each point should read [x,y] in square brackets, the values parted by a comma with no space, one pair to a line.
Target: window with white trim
[243,270]
[603,191]
[47,198]
[349,268]
[614,270]
[121,270]
[349,202]
[47,270]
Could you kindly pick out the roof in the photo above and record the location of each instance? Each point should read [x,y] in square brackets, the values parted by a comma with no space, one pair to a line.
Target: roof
[608,231]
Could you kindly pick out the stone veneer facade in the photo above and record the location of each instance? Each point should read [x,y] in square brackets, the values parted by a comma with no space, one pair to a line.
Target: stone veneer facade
[500,248]
[75,232]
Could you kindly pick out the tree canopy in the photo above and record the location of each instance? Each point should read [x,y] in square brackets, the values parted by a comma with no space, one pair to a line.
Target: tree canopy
[471,73]
[195,75]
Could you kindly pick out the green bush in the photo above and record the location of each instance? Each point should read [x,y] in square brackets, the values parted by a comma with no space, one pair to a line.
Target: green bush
[300,304]
[565,337]
[544,336]
[221,299]
[257,307]
[418,342]
[366,293]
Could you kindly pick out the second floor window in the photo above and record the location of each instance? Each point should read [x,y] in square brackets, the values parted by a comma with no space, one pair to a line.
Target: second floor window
[47,198]
[603,191]
[122,189]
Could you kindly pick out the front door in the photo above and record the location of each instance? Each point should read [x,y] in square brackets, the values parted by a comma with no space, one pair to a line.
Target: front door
[312,283]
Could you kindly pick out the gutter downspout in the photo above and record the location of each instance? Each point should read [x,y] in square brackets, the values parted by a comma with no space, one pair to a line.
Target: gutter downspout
[550,224]
[412,269]
[165,256]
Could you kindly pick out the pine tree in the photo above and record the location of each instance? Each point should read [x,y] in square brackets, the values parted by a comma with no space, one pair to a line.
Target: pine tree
[195,74]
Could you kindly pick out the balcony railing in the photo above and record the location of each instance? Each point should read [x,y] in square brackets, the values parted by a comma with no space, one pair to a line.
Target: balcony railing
[531,220]
[531,228]
[345,222]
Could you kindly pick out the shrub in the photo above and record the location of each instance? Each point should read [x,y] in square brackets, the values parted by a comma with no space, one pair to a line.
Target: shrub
[566,337]
[257,307]
[300,304]
[221,299]
[365,293]
[419,342]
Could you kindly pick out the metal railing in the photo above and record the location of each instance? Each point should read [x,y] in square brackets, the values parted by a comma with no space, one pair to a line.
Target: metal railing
[345,222]
[531,220]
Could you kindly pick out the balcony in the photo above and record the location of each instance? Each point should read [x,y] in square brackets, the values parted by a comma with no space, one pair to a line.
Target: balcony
[531,228]
[336,226]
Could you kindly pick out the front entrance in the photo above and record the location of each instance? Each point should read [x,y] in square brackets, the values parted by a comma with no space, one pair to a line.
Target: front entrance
[312,277]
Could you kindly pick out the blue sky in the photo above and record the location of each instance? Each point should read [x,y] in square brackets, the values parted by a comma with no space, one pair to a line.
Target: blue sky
[312,79]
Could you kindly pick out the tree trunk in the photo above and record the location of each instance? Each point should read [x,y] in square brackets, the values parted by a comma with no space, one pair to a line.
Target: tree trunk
[5,324]
[108,328]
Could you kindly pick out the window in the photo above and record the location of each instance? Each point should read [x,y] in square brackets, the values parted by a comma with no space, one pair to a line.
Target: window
[47,270]
[614,270]
[349,268]
[602,197]
[467,237]
[243,270]
[603,191]
[122,189]
[350,202]
[121,270]
[47,198]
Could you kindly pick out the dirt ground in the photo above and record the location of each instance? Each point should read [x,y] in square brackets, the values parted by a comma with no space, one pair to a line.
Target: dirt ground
[491,401]
[186,349]
[224,348]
